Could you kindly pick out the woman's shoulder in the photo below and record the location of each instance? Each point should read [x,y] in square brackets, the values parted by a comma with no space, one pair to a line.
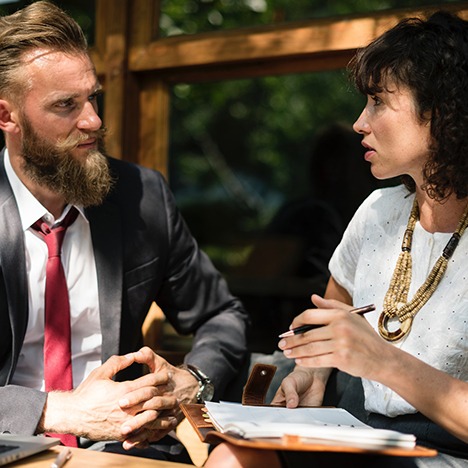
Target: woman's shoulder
[390,205]
[389,198]
[390,194]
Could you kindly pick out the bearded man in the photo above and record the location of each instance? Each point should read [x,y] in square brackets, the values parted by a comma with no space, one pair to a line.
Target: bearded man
[124,247]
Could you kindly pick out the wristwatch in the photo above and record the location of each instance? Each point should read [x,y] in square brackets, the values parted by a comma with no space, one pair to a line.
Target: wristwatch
[206,390]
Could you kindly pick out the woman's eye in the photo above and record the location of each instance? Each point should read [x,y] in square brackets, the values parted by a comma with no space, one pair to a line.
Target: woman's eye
[377,100]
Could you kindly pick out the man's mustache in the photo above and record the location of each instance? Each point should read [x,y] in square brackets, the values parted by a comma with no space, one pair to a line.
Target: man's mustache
[72,141]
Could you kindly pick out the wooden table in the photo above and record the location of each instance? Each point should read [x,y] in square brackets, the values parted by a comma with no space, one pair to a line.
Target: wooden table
[83,458]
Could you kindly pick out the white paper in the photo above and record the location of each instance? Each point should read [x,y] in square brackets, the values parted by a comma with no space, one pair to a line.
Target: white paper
[317,425]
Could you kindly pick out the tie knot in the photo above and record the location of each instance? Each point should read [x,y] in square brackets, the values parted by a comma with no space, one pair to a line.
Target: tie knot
[53,237]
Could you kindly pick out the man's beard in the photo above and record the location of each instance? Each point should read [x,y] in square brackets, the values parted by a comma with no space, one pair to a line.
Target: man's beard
[81,182]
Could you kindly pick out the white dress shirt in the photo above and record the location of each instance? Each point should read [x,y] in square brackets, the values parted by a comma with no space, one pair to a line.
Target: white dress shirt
[80,272]
[363,264]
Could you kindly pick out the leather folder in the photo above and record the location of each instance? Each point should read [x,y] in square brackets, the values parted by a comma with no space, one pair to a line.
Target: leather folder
[254,394]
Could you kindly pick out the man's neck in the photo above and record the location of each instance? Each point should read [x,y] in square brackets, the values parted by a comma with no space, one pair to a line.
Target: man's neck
[54,203]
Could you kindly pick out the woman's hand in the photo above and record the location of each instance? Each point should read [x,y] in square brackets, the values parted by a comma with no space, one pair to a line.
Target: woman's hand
[302,387]
[343,340]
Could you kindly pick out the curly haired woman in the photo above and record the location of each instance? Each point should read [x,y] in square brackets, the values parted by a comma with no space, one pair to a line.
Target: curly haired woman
[405,251]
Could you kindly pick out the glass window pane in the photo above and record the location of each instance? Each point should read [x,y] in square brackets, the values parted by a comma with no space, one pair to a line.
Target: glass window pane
[267,172]
[241,149]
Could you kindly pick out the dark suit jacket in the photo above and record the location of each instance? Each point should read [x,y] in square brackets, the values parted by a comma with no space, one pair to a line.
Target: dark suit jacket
[144,252]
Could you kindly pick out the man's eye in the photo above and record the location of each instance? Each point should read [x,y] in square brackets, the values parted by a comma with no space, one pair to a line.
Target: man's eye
[68,103]
[377,100]
[94,97]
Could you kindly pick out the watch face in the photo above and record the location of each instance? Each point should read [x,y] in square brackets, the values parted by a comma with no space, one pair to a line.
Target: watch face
[207,392]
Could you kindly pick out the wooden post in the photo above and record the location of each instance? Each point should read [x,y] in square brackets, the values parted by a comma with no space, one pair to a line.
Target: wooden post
[154,126]
[150,93]
[112,50]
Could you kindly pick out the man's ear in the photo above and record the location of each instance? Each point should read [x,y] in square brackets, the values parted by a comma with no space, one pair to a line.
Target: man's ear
[8,117]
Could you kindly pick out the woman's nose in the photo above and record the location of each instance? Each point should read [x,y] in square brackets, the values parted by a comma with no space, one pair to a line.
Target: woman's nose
[361,125]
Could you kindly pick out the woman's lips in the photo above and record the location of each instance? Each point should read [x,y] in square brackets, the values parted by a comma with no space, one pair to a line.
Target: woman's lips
[369,153]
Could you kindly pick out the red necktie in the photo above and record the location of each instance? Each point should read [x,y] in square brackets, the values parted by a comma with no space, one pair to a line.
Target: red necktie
[57,332]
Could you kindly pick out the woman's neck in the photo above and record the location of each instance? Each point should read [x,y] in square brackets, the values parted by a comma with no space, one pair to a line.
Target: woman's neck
[443,216]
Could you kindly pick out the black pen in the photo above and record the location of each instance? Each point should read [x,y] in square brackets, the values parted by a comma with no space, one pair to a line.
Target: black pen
[304,328]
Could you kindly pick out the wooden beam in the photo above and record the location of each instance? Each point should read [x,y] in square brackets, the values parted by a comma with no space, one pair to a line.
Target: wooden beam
[249,47]
[154,124]
[259,68]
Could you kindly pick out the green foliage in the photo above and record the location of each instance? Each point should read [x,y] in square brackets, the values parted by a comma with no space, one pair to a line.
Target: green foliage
[195,16]
[240,149]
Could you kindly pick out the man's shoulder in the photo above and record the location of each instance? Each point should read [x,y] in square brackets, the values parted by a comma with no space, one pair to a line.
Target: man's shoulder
[127,174]
[121,166]
[136,187]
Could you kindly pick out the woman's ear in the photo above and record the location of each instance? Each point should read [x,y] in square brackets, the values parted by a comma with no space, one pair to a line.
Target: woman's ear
[8,119]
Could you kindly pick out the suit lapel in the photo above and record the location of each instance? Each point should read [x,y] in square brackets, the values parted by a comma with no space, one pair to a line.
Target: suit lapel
[106,233]
[13,266]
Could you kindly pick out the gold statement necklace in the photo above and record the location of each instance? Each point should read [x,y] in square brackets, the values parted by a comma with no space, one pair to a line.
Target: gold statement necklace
[396,303]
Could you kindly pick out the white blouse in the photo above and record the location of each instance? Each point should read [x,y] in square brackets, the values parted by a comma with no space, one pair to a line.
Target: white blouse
[363,264]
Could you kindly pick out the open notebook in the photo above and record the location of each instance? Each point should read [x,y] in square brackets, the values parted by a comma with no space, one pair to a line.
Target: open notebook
[319,429]
[16,447]
[313,425]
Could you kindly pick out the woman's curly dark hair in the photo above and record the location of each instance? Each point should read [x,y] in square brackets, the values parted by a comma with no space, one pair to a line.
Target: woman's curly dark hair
[430,57]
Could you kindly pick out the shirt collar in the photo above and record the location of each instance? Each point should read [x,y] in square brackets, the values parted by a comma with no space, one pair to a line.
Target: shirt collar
[30,209]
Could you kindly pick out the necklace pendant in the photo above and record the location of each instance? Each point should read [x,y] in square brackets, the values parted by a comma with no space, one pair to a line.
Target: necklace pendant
[396,335]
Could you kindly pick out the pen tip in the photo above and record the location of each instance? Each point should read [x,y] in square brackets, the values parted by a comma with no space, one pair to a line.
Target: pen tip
[286,334]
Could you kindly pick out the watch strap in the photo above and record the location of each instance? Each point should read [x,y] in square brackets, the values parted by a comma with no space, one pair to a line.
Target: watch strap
[203,379]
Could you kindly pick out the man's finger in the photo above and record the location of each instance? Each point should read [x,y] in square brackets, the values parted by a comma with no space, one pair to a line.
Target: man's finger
[148,419]
[143,438]
[147,398]
[148,357]
[114,365]
[158,382]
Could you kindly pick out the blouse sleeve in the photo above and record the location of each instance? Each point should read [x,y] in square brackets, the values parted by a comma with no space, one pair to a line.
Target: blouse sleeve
[344,261]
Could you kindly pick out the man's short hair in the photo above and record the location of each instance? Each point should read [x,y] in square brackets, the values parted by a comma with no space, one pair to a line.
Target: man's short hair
[41,25]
